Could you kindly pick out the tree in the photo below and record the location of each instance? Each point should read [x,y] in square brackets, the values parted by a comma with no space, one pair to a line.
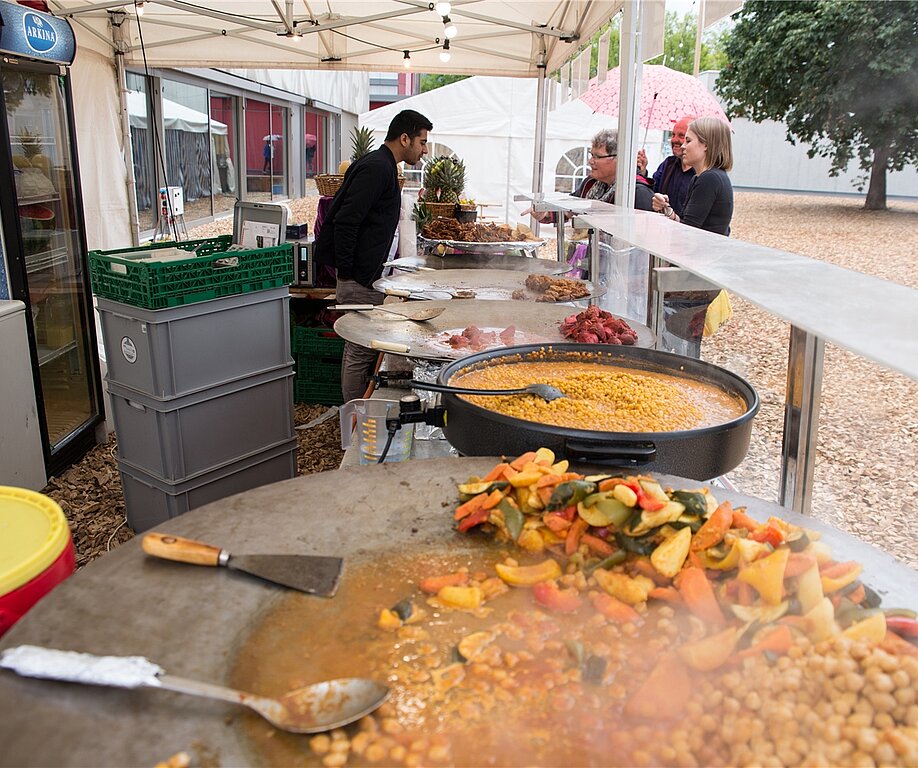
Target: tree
[430,82]
[842,74]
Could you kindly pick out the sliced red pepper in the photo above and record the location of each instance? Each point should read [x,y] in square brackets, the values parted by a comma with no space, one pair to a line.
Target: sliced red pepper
[547,594]
[768,534]
[568,513]
[902,626]
[644,501]
[476,518]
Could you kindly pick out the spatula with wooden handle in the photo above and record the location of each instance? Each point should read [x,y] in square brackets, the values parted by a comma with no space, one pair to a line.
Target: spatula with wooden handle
[312,574]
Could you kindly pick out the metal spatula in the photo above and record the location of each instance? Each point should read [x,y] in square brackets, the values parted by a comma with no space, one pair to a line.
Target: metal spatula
[419,315]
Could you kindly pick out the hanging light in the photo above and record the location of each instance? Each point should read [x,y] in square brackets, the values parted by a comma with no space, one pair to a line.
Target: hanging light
[445,55]
[407,60]
[450,30]
[443,9]
[138,6]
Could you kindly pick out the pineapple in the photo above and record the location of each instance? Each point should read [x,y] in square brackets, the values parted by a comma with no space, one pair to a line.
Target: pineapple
[343,166]
[444,179]
[421,215]
[361,142]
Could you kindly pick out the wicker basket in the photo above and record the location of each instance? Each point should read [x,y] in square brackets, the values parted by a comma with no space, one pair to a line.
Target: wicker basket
[328,183]
[444,210]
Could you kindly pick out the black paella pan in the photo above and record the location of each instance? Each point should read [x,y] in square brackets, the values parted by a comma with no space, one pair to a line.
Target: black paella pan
[700,454]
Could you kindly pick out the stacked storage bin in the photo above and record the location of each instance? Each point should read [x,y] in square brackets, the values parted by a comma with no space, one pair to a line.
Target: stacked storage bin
[317,353]
[199,374]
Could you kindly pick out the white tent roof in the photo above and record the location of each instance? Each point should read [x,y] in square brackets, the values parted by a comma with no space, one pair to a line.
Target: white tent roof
[506,38]
[177,117]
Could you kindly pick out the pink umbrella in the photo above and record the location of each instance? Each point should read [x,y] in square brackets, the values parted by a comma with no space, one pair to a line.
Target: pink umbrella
[666,96]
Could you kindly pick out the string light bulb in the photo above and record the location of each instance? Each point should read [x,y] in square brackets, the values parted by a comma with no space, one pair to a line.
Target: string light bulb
[407,60]
[445,55]
[450,30]
[138,6]
[443,9]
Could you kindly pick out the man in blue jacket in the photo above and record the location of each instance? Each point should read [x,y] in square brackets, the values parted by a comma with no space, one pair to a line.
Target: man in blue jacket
[673,177]
[358,230]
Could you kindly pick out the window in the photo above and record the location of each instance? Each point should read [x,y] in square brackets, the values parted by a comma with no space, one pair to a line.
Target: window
[145,186]
[188,146]
[572,169]
[315,137]
[223,136]
[414,174]
[265,150]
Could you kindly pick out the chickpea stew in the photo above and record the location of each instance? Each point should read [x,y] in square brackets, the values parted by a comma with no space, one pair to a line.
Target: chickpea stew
[603,397]
[601,621]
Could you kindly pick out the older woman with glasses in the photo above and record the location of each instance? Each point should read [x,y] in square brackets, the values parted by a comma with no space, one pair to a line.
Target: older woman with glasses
[600,184]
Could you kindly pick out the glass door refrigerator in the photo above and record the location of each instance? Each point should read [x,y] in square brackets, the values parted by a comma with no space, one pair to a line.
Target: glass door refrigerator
[44,243]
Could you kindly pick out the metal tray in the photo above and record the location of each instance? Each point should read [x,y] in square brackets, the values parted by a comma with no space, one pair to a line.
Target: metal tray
[535,324]
[487,284]
[489,247]
[533,266]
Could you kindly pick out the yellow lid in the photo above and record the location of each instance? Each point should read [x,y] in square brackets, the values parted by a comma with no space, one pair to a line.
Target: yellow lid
[33,533]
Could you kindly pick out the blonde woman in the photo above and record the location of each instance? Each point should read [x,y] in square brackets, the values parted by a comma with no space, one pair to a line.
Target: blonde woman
[709,152]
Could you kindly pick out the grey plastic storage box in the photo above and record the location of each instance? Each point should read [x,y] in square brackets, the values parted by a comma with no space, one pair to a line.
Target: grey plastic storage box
[181,438]
[149,501]
[168,353]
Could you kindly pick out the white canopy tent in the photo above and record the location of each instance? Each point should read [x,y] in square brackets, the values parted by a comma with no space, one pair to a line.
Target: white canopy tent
[489,123]
[176,117]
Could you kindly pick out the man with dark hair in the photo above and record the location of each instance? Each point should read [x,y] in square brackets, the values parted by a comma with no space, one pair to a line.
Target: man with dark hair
[358,230]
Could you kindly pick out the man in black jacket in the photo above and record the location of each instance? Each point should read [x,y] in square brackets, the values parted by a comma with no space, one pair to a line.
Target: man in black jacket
[358,231]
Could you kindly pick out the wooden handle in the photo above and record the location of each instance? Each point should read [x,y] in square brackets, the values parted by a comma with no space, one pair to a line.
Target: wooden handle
[170,547]
[398,292]
[389,346]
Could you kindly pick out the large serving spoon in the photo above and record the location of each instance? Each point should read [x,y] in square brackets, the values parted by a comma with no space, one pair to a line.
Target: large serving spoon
[311,709]
[419,315]
[545,391]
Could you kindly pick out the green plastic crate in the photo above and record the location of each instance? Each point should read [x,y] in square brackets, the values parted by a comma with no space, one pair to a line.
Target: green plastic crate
[313,392]
[318,369]
[317,342]
[211,273]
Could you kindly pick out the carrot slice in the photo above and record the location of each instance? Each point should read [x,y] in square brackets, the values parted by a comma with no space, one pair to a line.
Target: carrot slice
[521,461]
[472,505]
[598,546]
[608,485]
[613,608]
[779,640]
[574,534]
[433,584]
[548,479]
[742,520]
[714,529]
[798,563]
[858,594]
[666,594]
[493,499]
[495,474]
[509,472]
[835,570]
[699,596]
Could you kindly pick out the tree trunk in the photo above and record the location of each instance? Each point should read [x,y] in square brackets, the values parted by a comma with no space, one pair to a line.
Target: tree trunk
[876,192]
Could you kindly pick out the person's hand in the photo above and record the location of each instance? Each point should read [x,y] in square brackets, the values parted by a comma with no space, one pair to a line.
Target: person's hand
[544,217]
[642,162]
[660,201]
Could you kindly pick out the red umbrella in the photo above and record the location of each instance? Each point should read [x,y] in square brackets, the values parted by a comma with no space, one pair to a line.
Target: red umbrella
[666,96]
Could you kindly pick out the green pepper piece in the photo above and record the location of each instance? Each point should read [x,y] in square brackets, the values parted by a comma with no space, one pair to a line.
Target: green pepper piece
[569,493]
[403,609]
[513,518]
[694,503]
[639,545]
[905,613]
[616,558]
[593,669]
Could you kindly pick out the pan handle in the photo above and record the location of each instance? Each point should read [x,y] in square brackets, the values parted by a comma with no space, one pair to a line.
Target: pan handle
[610,453]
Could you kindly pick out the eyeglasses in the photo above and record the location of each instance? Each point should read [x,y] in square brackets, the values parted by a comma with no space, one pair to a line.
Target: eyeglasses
[600,157]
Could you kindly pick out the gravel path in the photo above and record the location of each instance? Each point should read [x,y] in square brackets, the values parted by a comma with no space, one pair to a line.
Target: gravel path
[868,431]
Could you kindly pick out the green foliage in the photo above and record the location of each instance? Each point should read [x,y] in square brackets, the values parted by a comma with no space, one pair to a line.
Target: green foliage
[361,142]
[678,45]
[431,82]
[842,74]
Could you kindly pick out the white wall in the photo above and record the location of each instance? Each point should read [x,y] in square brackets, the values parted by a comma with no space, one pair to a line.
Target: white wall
[348,91]
[764,159]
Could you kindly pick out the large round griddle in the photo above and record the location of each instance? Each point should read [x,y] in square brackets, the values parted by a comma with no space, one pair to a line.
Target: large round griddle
[487,261]
[191,621]
[535,323]
[488,284]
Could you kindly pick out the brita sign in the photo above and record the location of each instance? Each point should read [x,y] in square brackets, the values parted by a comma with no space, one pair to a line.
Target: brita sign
[39,35]
[35,35]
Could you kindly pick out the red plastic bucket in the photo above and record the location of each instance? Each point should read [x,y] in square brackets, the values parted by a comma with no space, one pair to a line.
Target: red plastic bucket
[36,551]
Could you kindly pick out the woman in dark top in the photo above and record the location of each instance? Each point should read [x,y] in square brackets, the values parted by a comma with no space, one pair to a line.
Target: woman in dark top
[708,150]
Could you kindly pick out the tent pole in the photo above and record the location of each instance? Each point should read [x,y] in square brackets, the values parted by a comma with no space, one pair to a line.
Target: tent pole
[538,161]
[120,43]
[629,101]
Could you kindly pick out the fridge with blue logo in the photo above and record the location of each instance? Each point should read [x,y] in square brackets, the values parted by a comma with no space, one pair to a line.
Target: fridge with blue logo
[44,256]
